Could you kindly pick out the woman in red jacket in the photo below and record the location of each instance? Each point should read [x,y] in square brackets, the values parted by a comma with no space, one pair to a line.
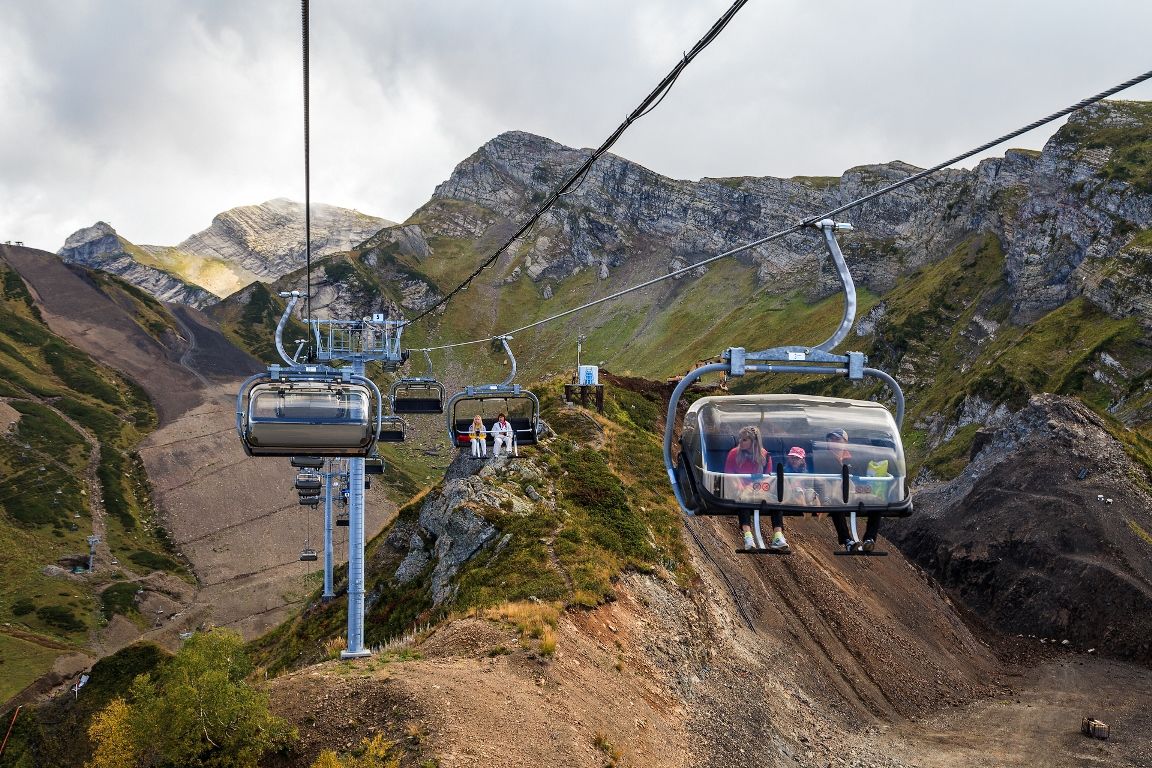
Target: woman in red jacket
[750,458]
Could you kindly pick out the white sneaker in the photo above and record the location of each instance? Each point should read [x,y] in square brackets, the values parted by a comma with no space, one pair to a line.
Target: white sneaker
[779,543]
[749,542]
[868,545]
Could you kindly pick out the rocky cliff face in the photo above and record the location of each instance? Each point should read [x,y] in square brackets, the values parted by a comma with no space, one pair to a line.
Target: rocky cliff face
[1066,217]
[1045,533]
[268,240]
[256,242]
[99,247]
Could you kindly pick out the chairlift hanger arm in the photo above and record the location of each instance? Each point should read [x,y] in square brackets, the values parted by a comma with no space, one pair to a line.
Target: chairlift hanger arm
[511,358]
[293,297]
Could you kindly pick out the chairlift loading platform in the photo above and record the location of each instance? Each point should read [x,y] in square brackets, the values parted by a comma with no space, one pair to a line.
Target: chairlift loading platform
[859,473]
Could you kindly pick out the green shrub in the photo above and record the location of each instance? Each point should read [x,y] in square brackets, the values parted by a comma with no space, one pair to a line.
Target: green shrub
[22,607]
[119,598]
[60,617]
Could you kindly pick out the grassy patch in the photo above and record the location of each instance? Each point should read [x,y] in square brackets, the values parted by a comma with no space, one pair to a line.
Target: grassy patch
[21,663]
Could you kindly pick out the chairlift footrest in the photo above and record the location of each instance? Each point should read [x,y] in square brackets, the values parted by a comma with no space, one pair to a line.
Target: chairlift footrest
[758,551]
[861,553]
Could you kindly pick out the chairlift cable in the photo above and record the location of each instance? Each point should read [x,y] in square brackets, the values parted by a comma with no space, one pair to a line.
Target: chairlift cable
[307,169]
[647,105]
[828,214]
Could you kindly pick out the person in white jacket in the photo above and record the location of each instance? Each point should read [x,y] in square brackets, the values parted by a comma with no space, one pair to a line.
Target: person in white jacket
[477,435]
[501,432]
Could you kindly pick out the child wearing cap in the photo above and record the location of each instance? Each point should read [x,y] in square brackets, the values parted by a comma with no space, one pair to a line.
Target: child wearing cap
[799,491]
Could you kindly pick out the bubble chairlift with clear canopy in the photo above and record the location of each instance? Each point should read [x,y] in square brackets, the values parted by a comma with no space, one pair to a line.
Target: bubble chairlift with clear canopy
[308,411]
[869,479]
[520,406]
[418,394]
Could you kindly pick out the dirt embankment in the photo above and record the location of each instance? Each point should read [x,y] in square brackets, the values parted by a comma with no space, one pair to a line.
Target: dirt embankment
[814,661]
[1047,533]
[79,313]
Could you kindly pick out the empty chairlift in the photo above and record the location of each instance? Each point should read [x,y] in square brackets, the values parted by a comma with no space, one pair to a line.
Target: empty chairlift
[418,394]
[308,481]
[308,412]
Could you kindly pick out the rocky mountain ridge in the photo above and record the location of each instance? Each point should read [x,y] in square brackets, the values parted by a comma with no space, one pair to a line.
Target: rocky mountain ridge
[1067,218]
[242,245]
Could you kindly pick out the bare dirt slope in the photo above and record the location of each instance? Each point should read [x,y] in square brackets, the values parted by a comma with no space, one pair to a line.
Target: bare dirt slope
[870,667]
[1048,532]
[237,518]
[77,312]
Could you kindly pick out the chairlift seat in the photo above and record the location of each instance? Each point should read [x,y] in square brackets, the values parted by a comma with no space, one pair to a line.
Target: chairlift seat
[392,429]
[308,419]
[308,555]
[521,408]
[709,431]
[307,481]
[417,395]
[308,462]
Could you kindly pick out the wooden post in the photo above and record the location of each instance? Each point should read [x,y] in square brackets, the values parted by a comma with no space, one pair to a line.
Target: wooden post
[585,391]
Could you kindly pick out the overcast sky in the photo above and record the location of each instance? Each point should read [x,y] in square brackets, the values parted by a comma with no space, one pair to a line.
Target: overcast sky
[155,115]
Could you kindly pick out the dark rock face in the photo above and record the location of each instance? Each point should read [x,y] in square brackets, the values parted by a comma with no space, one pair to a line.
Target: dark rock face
[1027,537]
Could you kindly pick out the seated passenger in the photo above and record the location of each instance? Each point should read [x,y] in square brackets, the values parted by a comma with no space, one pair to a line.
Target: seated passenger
[748,457]
[797,491]
[478,436]
[502,434]
[838,448]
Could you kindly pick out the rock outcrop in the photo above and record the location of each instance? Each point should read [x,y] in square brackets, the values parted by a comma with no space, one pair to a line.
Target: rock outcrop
[268,240]
[99,247]
[1045,533]
[1066,216]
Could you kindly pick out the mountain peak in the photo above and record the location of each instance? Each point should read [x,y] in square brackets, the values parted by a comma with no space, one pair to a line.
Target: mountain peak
[97,231]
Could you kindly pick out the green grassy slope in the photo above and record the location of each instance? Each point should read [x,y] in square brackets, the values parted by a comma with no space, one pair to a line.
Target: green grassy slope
[63,400]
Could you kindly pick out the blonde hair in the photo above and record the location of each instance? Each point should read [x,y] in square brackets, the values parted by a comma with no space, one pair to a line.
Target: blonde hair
[477,420]
[757,447]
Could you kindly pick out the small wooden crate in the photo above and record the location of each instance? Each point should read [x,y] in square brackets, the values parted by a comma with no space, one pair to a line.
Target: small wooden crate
[1090,726]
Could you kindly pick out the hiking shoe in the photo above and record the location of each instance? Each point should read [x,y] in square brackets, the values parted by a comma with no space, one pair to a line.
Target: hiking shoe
[869,545]
[749,542]
[851,545]
[779,543]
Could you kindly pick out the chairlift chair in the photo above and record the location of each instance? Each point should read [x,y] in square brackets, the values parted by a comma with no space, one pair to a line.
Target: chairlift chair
[871,480]
[520,406]
[308,462]
[392,429]
[308,411]
[308,481]
[418,394]
[342,519]
[872,477]
[310,501]
[308,555]
[374,465]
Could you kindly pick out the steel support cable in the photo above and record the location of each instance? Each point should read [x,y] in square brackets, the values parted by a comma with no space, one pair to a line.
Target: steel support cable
[649,103]
[827,214]
[307,169]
